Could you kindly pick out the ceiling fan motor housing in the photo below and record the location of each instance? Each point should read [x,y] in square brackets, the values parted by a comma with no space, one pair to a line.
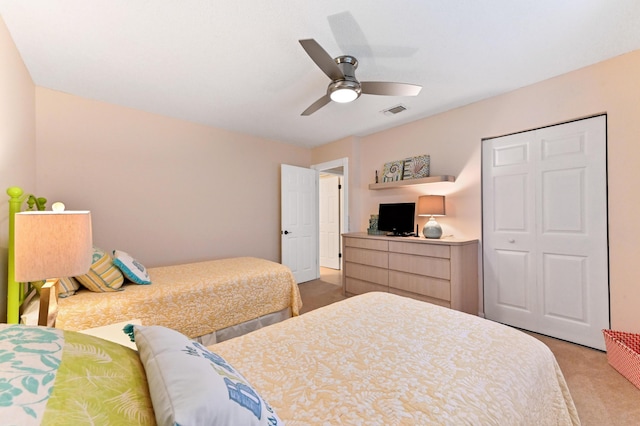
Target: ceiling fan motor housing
[348,65]
[349,84]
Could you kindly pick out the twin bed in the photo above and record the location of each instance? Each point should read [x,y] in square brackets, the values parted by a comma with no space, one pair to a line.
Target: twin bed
[210,301]
[373,359]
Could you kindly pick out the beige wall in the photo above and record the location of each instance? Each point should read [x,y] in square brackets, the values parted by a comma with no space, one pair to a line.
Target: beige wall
[453,139]
[17,139]
[162,189]
[345,148]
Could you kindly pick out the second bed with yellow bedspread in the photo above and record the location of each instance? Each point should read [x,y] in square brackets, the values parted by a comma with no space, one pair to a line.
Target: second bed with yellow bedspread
[196,299]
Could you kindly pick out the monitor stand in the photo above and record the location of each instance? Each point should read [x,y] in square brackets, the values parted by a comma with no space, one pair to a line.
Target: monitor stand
[400,234]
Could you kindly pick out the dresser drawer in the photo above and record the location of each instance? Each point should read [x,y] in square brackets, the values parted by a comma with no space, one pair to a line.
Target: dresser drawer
[418,284]
[353,286]
[366,243]
[367,273]
[429,266]
[366,257]
[420,297]
[432,250]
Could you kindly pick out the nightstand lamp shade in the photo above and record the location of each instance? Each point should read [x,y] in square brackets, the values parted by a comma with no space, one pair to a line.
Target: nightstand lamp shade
[431,205]
[52,244]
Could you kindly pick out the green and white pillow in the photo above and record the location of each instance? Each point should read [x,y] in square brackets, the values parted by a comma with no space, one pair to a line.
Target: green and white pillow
[52,376]
[131,268]
[190,385]
[103,275]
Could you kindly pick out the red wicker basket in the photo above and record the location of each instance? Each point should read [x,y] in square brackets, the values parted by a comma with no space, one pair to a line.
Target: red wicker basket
[623,353]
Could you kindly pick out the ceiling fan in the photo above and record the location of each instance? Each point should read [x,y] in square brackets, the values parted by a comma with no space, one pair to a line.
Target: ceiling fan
[344,86]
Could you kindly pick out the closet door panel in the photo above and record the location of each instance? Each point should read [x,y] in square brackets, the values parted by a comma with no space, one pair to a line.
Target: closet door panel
[545,248]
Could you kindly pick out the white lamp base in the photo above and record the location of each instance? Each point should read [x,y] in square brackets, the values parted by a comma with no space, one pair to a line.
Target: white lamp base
[432,229]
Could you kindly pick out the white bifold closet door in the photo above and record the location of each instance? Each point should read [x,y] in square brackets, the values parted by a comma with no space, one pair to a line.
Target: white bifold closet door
[545,250]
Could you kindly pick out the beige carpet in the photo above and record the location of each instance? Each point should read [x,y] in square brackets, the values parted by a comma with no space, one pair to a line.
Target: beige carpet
[602,396]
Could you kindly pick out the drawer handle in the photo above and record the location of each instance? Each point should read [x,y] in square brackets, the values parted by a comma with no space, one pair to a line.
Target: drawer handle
[511,240]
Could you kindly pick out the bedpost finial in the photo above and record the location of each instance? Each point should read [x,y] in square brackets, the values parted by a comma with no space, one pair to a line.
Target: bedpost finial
[14,192]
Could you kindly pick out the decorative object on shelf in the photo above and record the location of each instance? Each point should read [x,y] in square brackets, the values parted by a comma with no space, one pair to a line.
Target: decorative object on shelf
[392,171]
[376,176]
[373,226]
[416,167]
[431,205]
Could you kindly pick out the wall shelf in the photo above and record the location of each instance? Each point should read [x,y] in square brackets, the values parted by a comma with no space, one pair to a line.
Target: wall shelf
[399,183]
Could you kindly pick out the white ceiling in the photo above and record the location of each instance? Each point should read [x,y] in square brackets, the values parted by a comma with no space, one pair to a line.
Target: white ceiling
[237,64]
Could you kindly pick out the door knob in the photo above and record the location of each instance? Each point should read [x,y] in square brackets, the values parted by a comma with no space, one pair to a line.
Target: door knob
[286,232]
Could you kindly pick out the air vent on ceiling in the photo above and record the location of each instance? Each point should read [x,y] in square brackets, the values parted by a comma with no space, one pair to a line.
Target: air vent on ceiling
[395,110]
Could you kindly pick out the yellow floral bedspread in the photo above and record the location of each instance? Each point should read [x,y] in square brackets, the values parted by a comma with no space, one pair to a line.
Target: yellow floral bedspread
[196,299]
[381,359]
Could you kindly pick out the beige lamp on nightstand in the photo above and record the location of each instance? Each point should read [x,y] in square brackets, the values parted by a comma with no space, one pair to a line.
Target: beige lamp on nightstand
[52,244]
[431,205]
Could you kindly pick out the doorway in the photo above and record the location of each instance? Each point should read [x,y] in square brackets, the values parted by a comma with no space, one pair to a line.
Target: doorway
[330,226]
[334,172]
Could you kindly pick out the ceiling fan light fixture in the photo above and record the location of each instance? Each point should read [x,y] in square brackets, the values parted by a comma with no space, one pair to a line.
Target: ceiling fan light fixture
[344,91]
[343,95]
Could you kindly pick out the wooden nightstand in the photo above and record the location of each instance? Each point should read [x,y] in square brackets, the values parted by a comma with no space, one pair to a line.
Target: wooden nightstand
[114,333]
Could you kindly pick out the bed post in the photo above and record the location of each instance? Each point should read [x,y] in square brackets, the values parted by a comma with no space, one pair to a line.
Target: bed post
[13,288]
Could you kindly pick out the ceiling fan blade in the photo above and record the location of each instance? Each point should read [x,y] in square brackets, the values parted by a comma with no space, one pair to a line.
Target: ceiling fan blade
[322,59]
[351,38]
[317,105]
[387,88]
[349,35]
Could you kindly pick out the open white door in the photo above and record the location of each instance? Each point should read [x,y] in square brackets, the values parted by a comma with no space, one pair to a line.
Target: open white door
[299,221]
[330,222]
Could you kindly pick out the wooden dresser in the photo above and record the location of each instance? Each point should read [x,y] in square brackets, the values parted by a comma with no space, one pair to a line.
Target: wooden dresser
[443,272]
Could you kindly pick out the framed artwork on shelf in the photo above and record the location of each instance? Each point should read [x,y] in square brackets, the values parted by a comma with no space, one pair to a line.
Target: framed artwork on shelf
[416,167]
[392,171]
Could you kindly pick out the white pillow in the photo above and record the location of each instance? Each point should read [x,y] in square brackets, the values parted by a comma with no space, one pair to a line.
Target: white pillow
[189,385]
[31,313]
[131,268]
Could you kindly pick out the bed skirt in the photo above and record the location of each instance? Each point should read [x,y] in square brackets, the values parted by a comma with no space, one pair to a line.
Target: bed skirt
[244,328]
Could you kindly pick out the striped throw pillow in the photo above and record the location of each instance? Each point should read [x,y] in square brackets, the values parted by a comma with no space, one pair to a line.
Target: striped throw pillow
[68,287]
[103,275]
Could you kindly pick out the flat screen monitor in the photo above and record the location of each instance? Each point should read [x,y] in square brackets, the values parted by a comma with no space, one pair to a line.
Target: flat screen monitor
[397,218]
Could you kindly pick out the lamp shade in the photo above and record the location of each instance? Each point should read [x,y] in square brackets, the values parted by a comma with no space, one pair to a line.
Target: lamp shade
[431,205]
[52,244]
